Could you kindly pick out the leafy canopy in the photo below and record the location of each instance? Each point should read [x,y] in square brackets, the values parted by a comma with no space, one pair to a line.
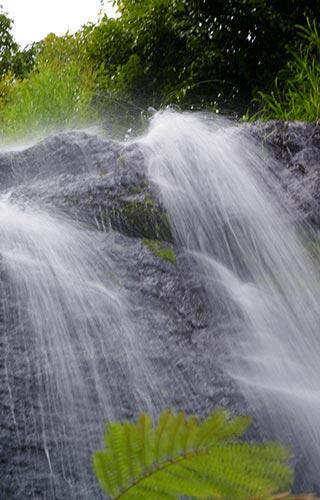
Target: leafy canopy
[181,456]
[194,52]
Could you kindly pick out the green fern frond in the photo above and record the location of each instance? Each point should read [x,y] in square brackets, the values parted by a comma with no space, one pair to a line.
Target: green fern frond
[180,456]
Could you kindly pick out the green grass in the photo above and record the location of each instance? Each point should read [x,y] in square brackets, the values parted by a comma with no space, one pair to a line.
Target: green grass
[296,92]
[57,94]
[45,101]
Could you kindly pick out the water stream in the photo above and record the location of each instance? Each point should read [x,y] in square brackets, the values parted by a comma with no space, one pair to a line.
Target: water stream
[230,213]
[85,319]
[61,302]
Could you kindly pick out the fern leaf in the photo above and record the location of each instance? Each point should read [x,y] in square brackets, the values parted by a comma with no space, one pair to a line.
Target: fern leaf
[102,467]
[180,456]
[160,434]
[132,446]
[217,427]
[146,435]
[289,496]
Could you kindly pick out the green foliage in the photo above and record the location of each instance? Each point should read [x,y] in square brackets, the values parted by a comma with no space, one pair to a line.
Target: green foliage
[161,250]
[191,52]
[24,60]
[296,93]
[57,93]
[12,59]
[8,46]
[180,455]
[136,56]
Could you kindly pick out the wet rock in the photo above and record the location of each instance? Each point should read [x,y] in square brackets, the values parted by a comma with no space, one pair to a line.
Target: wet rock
[103,185]
[296,148]
[99,182]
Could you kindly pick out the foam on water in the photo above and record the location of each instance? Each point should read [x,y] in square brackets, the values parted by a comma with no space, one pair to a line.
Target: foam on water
[229,211]
[71,322]
[74,352]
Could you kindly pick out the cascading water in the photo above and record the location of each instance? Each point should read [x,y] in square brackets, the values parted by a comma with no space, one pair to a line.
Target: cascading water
[230,214]
[63,309]
[93,326]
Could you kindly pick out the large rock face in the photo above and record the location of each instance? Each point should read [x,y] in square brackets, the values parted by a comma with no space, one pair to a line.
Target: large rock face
[92,180]
[104,187]
[296,146]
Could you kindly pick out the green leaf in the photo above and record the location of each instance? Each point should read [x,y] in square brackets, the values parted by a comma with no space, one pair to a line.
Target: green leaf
[180,456]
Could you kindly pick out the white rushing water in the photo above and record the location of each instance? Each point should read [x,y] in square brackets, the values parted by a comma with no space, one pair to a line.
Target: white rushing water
[75,339]
[228,210]
[81,346]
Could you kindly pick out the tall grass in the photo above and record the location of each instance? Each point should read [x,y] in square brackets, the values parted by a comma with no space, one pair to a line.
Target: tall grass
[57,94]
[296,93]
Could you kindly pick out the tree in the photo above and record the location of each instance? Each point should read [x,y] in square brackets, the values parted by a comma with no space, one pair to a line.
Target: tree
[195,52]
[12,59]
[253,35]
[8,47]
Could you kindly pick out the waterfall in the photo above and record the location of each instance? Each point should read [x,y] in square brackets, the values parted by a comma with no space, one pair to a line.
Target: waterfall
[66,315]
[95,327]
[243,233]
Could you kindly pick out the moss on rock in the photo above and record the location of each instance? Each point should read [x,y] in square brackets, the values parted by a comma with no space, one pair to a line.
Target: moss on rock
[142,217]
[161,250]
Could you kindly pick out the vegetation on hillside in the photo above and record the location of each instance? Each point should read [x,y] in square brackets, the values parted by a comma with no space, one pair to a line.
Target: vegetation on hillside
[226,56]
[215,55]
[12,59]
[296,92]
[57,92]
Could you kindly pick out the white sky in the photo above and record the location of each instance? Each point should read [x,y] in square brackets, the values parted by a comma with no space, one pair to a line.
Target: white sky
[34,19]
